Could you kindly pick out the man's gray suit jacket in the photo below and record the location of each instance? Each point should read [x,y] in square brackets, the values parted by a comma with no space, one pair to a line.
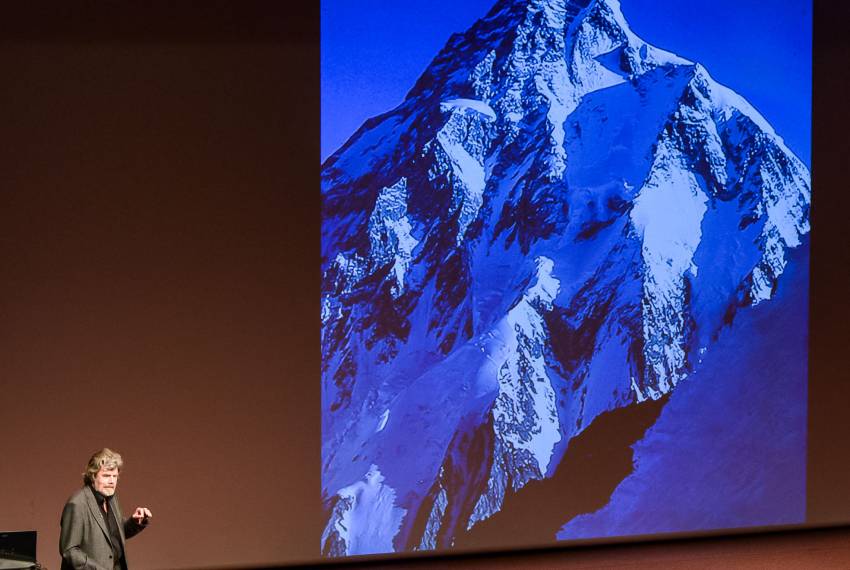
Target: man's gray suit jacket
[84,542]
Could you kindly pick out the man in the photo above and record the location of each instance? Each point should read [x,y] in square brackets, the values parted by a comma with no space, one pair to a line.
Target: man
[93,531]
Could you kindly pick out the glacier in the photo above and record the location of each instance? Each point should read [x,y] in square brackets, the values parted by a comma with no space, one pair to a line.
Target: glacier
[561,230]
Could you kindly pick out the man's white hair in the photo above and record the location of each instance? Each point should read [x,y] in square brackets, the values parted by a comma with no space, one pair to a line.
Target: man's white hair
[103,459]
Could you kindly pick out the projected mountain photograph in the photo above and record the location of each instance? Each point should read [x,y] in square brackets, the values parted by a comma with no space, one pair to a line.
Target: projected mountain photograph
[565,280]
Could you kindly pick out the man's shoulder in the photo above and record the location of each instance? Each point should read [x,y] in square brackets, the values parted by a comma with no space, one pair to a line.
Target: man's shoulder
[74,506]
[78,497]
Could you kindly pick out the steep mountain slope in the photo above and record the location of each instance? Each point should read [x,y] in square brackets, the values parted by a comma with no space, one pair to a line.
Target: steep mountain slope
[557,223]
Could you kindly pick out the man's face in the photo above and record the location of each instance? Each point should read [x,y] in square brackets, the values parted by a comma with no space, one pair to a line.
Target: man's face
[106,481]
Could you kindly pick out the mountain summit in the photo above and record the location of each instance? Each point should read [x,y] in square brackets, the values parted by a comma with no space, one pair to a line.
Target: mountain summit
[559,222]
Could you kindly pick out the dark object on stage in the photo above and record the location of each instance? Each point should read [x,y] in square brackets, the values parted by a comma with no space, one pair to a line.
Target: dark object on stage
[17,550]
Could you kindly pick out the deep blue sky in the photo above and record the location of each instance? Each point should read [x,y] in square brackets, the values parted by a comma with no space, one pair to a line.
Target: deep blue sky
[374,50]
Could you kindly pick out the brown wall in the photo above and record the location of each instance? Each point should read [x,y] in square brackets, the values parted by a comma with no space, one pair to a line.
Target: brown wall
[159,289]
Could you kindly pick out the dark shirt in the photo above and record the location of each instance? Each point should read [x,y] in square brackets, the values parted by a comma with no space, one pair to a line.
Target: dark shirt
[112,526]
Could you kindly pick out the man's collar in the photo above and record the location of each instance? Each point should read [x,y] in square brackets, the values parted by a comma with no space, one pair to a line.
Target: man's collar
[98,496]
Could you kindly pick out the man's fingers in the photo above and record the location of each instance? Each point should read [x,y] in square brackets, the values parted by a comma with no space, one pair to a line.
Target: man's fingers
[142,513]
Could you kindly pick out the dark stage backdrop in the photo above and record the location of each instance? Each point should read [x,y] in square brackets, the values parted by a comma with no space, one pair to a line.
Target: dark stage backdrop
[159,246]
[159,286]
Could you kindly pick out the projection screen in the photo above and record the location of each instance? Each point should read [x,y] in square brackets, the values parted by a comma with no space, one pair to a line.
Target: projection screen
[565,270]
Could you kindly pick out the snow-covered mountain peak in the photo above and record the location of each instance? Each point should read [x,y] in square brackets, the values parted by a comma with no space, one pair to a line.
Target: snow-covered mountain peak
[558,222]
